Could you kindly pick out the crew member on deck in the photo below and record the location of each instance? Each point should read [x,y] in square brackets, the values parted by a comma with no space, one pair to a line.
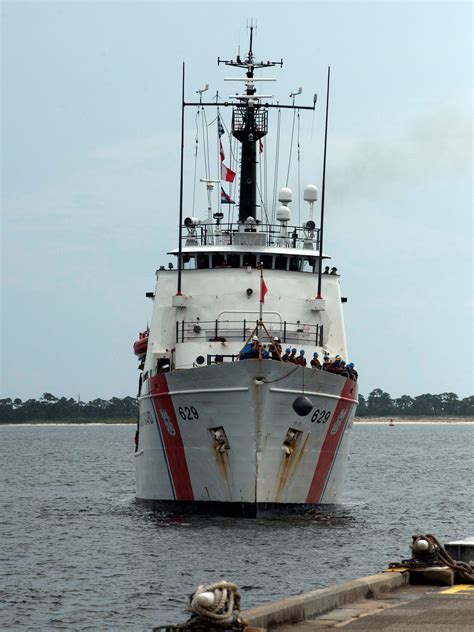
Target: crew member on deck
[275,348]
[301,360]
[292,357]
[256,347]
[315,363]
[335,366]
[251,349]
[343,369]
[286,356]
[353,375]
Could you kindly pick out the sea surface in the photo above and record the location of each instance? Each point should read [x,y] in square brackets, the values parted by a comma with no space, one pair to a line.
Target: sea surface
[79,554]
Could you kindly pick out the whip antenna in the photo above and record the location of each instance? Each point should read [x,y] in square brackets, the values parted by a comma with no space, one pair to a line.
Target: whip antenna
[321,226]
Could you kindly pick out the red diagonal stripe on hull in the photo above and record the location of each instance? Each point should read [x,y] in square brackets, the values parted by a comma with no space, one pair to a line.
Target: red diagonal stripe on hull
[172,439]
[331,443]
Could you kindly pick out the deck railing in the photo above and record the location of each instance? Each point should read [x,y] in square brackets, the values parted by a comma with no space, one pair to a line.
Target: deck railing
[239,330]
[211,234]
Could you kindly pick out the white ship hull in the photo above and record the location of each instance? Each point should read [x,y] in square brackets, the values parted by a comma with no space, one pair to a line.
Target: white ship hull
[226,438]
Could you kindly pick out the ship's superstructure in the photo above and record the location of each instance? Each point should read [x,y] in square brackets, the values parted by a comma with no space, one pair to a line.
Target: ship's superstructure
[220,430]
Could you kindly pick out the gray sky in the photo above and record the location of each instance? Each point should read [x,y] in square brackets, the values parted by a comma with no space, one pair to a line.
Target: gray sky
[90,176]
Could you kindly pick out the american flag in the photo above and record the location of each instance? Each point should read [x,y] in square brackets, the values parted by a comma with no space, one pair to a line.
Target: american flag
[220,127]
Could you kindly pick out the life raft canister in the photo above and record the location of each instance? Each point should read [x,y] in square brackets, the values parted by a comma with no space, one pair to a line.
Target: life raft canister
[141,345]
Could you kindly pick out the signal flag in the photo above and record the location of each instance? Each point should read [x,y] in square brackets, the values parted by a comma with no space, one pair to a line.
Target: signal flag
[227,174]
[263,290]
[225,198]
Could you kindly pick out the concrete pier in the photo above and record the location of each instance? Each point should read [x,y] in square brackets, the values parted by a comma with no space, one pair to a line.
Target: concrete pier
[386,602]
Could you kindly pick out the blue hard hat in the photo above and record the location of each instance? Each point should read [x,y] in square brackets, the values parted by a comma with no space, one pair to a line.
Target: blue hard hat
[301,351]
[351,364]
[293,350]
[288,350]
[315,354]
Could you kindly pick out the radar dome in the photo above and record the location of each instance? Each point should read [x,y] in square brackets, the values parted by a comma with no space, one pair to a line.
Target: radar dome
[285,195]
[310,193]
[283,214]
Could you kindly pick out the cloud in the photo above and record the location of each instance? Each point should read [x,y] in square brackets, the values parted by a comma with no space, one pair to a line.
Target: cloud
[433,148]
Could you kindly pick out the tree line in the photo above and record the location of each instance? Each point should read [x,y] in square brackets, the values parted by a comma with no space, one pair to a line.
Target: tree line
[51,408]
[377,404]
[381,404]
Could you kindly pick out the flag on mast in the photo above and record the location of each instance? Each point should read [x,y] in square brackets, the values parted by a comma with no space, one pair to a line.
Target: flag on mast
[227,174]
[225,198]
[220,127]
[263,288]
[221,151]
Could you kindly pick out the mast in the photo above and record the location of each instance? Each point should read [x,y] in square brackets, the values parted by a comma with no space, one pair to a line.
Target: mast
[180,225]
[249,125]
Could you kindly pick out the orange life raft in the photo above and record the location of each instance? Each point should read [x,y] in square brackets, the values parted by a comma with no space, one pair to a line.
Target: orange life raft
[141,345]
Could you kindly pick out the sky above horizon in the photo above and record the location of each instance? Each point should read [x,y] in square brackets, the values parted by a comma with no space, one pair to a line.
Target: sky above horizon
[90,176]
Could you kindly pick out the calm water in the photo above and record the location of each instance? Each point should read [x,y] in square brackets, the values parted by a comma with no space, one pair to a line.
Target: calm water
[79,554]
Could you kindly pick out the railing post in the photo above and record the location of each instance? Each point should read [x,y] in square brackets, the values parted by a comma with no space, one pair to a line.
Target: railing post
[217,328]
[177,331]
[321,337]
[243,337]
[182,331]
[284,331]
[317,335]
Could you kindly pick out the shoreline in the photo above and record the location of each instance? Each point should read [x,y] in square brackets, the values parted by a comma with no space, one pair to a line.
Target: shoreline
[414,420]
[68,423]
[381,421]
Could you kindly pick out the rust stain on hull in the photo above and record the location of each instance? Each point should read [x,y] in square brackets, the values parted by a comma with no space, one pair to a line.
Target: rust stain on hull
[289,464]
[222,459]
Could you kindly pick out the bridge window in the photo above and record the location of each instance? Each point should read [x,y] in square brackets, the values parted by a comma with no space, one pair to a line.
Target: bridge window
[267,261]
[309,265]
[295,264]
[281,262]
[189,262]
[250,260]
[203,262]
[218,261]
[233,261]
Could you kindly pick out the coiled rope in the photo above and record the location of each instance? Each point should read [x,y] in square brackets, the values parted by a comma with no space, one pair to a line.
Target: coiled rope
[224,609]
[428,551]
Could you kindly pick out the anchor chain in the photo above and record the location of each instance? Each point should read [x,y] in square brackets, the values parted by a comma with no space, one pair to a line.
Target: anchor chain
[428,552]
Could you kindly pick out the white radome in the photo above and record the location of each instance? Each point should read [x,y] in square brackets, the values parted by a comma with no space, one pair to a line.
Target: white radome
[310,193]
[285,195]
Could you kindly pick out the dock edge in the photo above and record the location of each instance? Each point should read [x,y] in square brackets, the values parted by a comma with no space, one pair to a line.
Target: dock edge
[322,600]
